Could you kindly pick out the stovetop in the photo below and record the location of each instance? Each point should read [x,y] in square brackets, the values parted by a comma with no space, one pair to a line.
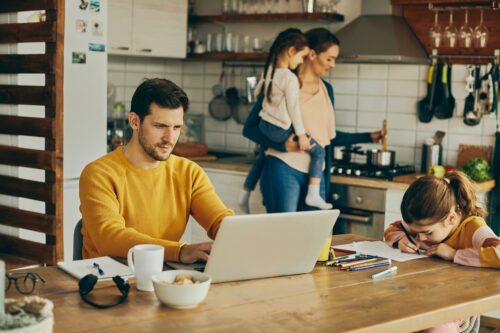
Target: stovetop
[365,171]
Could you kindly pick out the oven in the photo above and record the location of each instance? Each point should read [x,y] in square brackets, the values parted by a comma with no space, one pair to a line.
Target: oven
[361,209]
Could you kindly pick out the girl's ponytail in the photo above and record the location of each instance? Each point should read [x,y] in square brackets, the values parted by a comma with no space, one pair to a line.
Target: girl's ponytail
[291,37]
[465,194]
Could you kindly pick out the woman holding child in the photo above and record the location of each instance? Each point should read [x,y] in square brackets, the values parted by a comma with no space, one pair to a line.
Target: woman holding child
[285,179]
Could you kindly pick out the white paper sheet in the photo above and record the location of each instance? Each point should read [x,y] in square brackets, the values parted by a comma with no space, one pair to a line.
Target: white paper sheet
[381,249]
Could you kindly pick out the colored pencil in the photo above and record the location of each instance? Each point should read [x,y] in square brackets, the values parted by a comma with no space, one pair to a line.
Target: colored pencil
[366,267]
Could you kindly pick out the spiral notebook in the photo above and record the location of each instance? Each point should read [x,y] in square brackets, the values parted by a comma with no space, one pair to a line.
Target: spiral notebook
[105,268]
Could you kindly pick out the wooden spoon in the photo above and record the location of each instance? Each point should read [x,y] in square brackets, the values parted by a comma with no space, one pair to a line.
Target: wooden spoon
[384,135]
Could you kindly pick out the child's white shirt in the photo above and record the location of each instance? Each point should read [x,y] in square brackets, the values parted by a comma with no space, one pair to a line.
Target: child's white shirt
[283,110]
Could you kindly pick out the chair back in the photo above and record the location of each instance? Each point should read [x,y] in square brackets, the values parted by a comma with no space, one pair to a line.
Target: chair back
[77,241]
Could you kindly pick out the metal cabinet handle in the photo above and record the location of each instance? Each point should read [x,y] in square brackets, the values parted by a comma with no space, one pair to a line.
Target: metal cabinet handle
[121,48]
[146,50]
[357,218]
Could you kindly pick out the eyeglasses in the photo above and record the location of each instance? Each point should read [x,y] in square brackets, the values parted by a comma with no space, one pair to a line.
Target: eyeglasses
[25,282]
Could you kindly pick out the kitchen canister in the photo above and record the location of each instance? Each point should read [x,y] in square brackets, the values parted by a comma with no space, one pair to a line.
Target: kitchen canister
[432,154]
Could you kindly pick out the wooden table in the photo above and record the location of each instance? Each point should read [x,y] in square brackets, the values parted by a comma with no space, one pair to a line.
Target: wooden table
[424,293]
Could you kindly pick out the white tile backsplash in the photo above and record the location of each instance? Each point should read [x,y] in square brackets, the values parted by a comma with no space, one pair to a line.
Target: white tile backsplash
[402,105]
[403,88]
[403,72]
[373,71]
[372,103]
[346,86]
[372,87]
[365,94]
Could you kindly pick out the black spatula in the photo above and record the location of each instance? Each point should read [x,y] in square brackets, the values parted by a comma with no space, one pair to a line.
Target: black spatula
[424,107]
[445,109]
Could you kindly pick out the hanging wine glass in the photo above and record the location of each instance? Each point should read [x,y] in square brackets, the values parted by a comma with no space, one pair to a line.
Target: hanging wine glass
[435,33]
[450,33]
[465,33]
[481,34]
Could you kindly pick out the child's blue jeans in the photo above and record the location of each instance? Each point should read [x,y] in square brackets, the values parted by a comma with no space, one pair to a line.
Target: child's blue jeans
[256,170]
[280,135]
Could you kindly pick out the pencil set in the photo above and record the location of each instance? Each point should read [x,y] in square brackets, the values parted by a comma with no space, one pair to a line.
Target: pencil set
[358,262]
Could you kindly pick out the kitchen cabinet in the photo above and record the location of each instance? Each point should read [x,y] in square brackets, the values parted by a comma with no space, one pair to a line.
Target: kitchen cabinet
[228,185]
[153,28]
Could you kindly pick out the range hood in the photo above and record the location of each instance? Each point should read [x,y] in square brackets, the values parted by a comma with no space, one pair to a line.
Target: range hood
[380,35]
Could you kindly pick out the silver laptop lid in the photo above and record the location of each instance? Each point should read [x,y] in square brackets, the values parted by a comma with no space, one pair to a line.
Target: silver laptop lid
[266,245]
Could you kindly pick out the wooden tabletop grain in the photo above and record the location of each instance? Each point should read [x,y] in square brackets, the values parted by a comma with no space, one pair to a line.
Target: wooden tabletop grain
[422,294]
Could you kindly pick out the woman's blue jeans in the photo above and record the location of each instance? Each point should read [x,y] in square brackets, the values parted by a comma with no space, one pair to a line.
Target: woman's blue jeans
[283,188]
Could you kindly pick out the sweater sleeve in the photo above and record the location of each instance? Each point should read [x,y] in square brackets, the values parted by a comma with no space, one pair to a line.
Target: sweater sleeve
[345,138]
[103,222]
[251,128]
[393,233]
[485,250]
[292,104]
[206,206]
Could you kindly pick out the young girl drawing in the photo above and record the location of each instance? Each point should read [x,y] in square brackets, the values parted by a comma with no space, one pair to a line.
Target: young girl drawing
[441,217]
[280,114]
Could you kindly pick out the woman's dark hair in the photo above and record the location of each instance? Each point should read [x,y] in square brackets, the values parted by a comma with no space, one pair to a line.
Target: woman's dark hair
[162,92]
[286,39]
[431,199]
[320,39]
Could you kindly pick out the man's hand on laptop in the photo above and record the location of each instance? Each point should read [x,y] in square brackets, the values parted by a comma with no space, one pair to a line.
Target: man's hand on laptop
[193,252]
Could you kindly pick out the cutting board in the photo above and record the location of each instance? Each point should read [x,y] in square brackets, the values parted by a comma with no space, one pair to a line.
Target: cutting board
[468,152]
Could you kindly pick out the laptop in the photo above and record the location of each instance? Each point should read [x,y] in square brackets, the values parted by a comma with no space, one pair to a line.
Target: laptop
[266,245]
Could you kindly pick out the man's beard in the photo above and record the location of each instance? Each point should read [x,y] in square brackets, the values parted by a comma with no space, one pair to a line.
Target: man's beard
[151,149]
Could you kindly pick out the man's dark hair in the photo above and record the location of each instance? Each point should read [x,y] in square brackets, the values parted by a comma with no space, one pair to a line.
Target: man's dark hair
[162,92]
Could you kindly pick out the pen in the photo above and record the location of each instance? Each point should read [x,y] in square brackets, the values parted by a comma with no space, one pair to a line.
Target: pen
[366,267]
[419,251]
[407,234]
[387,272]
[99,269]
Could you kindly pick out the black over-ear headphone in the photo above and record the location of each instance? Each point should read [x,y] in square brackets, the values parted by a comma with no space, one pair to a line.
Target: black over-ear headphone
[87,283]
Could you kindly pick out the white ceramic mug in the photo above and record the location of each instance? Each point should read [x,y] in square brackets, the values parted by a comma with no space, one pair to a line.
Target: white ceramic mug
[144,261]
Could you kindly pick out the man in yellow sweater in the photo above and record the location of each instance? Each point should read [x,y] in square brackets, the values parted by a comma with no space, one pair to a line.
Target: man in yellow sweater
[140,193]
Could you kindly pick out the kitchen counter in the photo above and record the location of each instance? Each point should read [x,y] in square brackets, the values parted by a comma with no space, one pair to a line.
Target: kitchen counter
[243,164]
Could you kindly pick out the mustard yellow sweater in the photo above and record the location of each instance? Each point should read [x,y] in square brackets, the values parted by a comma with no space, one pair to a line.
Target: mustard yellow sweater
[123,205]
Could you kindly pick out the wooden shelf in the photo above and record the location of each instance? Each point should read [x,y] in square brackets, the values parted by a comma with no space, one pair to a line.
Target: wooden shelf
[330,17]
[442,2]
[229,56]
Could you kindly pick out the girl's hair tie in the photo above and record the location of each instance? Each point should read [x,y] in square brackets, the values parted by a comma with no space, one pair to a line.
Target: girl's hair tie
[446,180]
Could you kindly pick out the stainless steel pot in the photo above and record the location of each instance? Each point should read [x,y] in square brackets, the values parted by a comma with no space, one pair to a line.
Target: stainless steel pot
[379,158]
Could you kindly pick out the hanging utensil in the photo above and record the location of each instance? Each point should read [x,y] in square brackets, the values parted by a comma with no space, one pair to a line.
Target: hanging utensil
[444,110]
[218,107]
[425,106]
[471,111]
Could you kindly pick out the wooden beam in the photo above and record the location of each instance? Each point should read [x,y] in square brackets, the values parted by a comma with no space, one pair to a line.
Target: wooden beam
[32,95]
[27,189]
[9,6]
[27,32]
[30,126]
[25,219]
[30,158]
[26,63]
[59,133]
[42,253]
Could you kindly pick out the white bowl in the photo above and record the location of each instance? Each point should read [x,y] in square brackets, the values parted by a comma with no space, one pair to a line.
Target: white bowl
[181,296]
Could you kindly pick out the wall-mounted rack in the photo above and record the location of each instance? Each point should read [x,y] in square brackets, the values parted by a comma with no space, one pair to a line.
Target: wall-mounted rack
[494,5]
[473,58]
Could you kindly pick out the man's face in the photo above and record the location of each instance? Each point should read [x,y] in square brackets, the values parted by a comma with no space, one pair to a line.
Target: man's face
[160,131]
